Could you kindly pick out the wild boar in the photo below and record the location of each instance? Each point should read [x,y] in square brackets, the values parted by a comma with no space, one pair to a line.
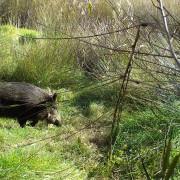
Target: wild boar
[27,102]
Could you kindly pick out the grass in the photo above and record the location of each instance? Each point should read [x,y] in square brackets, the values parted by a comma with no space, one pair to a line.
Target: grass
[83,155]
[41,160]
[10,45]
[141,133]
[24,59]
[148,8]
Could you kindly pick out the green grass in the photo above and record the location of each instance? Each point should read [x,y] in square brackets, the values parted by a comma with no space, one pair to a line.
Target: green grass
[83,155]
[11,48]
[44,63]
[42,160]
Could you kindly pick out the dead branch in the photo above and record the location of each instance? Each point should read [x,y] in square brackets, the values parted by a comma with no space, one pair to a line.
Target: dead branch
[171,48]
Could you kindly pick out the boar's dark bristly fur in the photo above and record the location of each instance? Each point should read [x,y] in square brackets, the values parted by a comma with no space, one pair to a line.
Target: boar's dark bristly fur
[27,102]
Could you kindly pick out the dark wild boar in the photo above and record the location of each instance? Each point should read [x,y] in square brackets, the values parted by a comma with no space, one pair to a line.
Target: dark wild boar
[27,102]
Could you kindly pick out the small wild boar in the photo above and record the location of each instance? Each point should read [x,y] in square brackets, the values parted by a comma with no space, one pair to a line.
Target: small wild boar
[27,102]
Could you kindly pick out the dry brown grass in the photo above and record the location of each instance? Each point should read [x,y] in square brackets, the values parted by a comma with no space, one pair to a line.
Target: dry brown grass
[146,8]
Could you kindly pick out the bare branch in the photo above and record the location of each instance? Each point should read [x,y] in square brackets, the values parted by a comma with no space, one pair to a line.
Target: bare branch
[171,48]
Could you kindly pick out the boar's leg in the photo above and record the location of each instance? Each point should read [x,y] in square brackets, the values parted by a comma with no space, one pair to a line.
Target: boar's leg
[22,122]
[34,122]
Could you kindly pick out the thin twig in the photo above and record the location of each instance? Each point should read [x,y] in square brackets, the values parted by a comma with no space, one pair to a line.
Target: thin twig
[171,48]
[144,168]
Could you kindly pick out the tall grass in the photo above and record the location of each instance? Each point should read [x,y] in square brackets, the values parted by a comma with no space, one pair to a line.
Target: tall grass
[146,9]
[48,63]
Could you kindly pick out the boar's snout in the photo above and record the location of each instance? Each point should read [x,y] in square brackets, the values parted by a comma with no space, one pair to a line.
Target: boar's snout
[57,123]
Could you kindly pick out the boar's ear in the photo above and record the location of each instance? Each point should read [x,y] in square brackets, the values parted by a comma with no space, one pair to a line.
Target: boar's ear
[54,97]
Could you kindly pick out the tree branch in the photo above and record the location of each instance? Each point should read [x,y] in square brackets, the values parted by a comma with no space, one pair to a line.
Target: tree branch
[171,48]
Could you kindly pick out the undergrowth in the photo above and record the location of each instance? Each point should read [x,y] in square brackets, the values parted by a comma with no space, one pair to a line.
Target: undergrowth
[80,153]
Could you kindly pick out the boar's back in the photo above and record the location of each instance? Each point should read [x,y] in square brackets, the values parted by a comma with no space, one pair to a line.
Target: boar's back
[17,92]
